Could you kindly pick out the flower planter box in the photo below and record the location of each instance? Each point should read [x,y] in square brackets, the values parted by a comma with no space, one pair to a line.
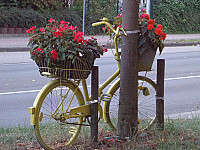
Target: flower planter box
[3,30]
[11,30]
[18,30]
[80,69]
[145,60]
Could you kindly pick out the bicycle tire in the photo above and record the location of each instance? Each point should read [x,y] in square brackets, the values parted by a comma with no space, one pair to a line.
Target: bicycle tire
[110,108]
[51,133]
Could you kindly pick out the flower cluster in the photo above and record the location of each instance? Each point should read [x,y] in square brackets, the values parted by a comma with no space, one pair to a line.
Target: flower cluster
[60,41]
[158,29]
[151,34]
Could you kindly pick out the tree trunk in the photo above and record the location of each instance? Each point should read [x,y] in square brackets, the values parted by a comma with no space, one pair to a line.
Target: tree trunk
[128,104]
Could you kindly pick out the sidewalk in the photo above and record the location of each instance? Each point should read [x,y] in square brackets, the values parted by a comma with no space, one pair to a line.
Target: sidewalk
[19,43]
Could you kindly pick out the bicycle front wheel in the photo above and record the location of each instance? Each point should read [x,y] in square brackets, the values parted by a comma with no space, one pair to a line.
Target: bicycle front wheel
[146,104]
[55,100]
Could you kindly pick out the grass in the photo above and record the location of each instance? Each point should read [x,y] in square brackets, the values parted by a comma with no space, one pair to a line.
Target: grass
[178,134]
[185,41]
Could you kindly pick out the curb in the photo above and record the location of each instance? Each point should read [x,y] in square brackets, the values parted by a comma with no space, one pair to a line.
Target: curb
[25,49]
[15,49]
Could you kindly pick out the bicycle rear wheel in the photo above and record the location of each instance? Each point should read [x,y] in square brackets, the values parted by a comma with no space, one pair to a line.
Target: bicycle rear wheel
[52,129]
[146,104]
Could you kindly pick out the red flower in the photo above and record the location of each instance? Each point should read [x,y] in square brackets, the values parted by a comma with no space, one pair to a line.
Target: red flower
[39,50]
[51,20]
[61,29]
[31,29]
[28,31]
[119,15]
[33,52]
[42,30]
[63,22]
[160,26]
[104,49]
[78,36]
[150,26]
[75,28]
[158,31]
[143,10]
[145,16]
[54,54]
[151,21]
[163,36]
[72,28]
[58,33]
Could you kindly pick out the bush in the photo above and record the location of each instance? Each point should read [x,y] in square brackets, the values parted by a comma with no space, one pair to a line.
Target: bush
[178,16]
[26,18]
[14,17]
[41,5]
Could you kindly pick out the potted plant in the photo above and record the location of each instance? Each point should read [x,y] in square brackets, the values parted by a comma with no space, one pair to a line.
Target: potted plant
[151,38]
[61,49]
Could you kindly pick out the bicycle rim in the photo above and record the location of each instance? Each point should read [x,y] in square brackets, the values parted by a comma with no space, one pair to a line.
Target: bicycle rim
[51,132]
[146,104]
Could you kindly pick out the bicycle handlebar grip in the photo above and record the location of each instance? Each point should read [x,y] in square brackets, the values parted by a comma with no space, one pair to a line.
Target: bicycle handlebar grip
[97,23]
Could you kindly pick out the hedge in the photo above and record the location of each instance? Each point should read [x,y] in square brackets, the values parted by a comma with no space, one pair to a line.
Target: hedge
[178,16]
[26,18]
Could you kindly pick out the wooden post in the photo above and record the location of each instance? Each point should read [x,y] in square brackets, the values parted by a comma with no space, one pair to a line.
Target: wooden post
[160,93]
[94,104]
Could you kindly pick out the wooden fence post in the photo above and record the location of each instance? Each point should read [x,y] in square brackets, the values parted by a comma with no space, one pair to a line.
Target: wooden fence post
[94,104]
[160,93]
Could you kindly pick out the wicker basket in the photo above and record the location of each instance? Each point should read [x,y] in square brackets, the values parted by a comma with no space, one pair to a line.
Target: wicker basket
[80,69]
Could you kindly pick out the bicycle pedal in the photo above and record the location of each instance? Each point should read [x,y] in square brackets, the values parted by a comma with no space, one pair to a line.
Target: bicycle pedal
[146,91]
[106,97]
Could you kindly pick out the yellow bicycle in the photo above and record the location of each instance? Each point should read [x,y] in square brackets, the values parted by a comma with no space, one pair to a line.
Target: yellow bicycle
[60,108]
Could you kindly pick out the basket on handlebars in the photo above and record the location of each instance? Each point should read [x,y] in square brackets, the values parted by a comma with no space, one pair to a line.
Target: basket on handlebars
[79,69]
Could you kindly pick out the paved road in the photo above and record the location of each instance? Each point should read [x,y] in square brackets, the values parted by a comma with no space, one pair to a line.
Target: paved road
[20,83]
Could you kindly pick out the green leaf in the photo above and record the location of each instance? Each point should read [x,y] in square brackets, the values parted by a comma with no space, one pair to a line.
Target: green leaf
[30,42]
[142,40]
[142,49]
[74,59]
[161,47]
[62,57]
[70,56]
[144,29]
[151,34]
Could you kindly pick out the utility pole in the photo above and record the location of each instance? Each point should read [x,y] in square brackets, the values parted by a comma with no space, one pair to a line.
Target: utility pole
[128,103]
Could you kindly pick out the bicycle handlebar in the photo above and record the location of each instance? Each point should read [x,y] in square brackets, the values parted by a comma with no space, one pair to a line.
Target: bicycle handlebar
[97,23]
[117,34]
[105,21]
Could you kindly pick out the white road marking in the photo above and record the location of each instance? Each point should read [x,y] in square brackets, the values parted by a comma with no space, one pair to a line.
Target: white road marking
[179,78]
[32,91]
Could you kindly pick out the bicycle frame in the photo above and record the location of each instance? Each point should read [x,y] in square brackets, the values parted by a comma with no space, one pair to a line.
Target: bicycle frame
[86,108]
